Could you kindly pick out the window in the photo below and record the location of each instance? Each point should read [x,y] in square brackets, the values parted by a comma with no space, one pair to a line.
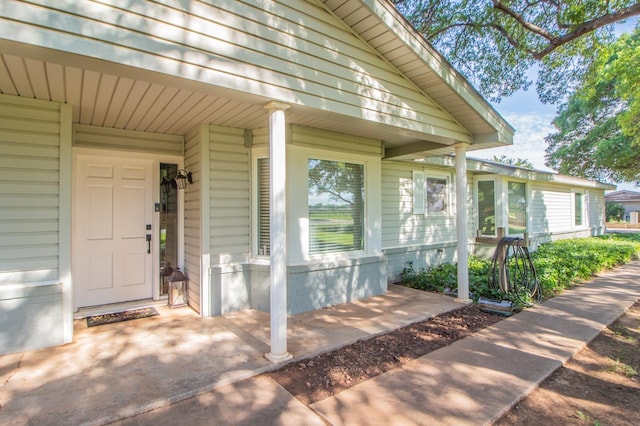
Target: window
[517,208]
[431,193]
[487,207]
[262,175]
[437,194]
[578,213]
[336,206]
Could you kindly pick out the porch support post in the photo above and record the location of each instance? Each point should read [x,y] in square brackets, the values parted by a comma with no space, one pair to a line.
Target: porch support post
[462,222]
[278,231]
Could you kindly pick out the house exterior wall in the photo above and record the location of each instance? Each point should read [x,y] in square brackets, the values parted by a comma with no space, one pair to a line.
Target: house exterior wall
[35,273]
[239,274]
[85,136]
[193,215]
[260,42]
[424,239]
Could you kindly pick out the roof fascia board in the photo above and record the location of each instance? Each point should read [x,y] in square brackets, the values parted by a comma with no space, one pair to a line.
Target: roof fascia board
[401,27]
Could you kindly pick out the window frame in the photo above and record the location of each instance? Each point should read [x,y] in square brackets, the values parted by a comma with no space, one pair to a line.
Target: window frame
[527,206]
[298,212]
[420,199]
[496,211]
[574,194]
[309,158]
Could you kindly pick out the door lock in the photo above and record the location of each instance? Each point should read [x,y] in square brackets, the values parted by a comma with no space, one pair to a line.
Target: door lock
[148,239]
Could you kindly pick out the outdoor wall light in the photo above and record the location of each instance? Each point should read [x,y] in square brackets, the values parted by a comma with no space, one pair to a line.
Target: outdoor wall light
[178,182]
[181,179]
[178,289]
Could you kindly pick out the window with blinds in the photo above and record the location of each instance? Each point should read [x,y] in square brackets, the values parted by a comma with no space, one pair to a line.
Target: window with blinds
[517,208]
[336,206]
[263,248]
[487,207]
[578,209]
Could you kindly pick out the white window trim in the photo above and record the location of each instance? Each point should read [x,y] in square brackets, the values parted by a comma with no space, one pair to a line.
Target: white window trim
[505,209]
[256,154]
[419,187]
[496,204]
[337,158]
[298,208]
[585,217]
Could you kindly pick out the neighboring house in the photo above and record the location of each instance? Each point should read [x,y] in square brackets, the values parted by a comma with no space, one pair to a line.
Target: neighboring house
[313,134]
[630,200]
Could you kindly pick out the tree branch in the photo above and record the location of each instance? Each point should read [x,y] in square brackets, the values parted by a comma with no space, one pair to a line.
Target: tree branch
[523,22]
[589,26]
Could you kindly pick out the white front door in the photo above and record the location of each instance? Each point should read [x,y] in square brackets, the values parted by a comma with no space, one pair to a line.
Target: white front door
[113,209]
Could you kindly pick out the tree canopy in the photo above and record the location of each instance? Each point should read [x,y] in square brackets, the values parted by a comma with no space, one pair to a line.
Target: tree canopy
[495,43]
[598,128]
[517,162]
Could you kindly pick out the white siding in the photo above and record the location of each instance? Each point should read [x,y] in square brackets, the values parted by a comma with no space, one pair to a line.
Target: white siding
[402,228]
[550,209]
[230,207]
[595,209]
[192,217]
[127,140]
[29,189]
[291,50]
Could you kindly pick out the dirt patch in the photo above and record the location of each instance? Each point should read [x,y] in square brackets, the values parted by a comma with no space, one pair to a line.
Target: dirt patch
[320,377]
[598,386]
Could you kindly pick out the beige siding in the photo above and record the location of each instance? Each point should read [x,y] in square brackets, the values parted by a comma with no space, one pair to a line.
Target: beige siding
[230,209]
[245,45]
[337,142]
[29,189]
[106,138]
[550,208]
[192,211]
[402,228]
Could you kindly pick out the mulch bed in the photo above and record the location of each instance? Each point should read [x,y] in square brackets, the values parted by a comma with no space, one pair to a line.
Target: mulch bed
[317,378]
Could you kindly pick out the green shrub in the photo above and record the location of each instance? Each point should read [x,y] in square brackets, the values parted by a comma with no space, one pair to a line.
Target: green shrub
[558,265]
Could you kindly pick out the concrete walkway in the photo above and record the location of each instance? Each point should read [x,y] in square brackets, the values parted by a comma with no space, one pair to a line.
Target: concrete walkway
[471,382]
[112,372]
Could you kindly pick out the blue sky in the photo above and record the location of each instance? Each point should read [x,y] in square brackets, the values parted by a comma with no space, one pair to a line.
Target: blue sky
[532,121]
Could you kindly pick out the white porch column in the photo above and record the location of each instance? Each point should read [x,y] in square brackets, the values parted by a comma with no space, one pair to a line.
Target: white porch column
[462,222]
[278,231]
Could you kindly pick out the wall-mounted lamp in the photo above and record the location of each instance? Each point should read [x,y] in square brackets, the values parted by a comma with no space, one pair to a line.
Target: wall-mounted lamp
[178,182]
[181,179]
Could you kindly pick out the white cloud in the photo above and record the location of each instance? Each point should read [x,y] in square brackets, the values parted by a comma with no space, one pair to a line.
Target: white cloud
[528,142]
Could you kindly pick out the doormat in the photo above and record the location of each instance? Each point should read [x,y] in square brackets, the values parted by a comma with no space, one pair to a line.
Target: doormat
[121,316]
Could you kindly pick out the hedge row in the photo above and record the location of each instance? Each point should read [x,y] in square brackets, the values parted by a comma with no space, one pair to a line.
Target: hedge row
[559,265]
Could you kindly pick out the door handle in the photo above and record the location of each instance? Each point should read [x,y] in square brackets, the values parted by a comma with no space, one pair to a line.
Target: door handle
[148,243]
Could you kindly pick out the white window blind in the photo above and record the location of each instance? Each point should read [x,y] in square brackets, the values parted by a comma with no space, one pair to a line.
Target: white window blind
[336,206]
[263,248]
[487,207]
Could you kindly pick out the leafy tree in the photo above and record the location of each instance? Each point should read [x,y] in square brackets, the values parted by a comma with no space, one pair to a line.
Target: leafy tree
[517,162]
[614,211]
[598,129]
[496,42]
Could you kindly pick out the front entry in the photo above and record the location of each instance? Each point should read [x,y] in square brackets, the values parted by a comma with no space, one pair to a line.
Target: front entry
[113,216]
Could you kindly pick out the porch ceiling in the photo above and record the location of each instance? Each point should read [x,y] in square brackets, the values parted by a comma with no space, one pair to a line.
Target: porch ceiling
[150,102]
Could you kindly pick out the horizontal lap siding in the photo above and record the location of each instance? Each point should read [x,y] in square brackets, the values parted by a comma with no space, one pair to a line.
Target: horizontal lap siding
[290,50]
[192,208]
[29,189]
[550,209]
[106,138]
[400,227]
[230,207]
[315,138]
[595,208]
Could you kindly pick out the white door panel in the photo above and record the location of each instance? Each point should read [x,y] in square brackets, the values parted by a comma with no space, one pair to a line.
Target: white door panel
[113,205]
